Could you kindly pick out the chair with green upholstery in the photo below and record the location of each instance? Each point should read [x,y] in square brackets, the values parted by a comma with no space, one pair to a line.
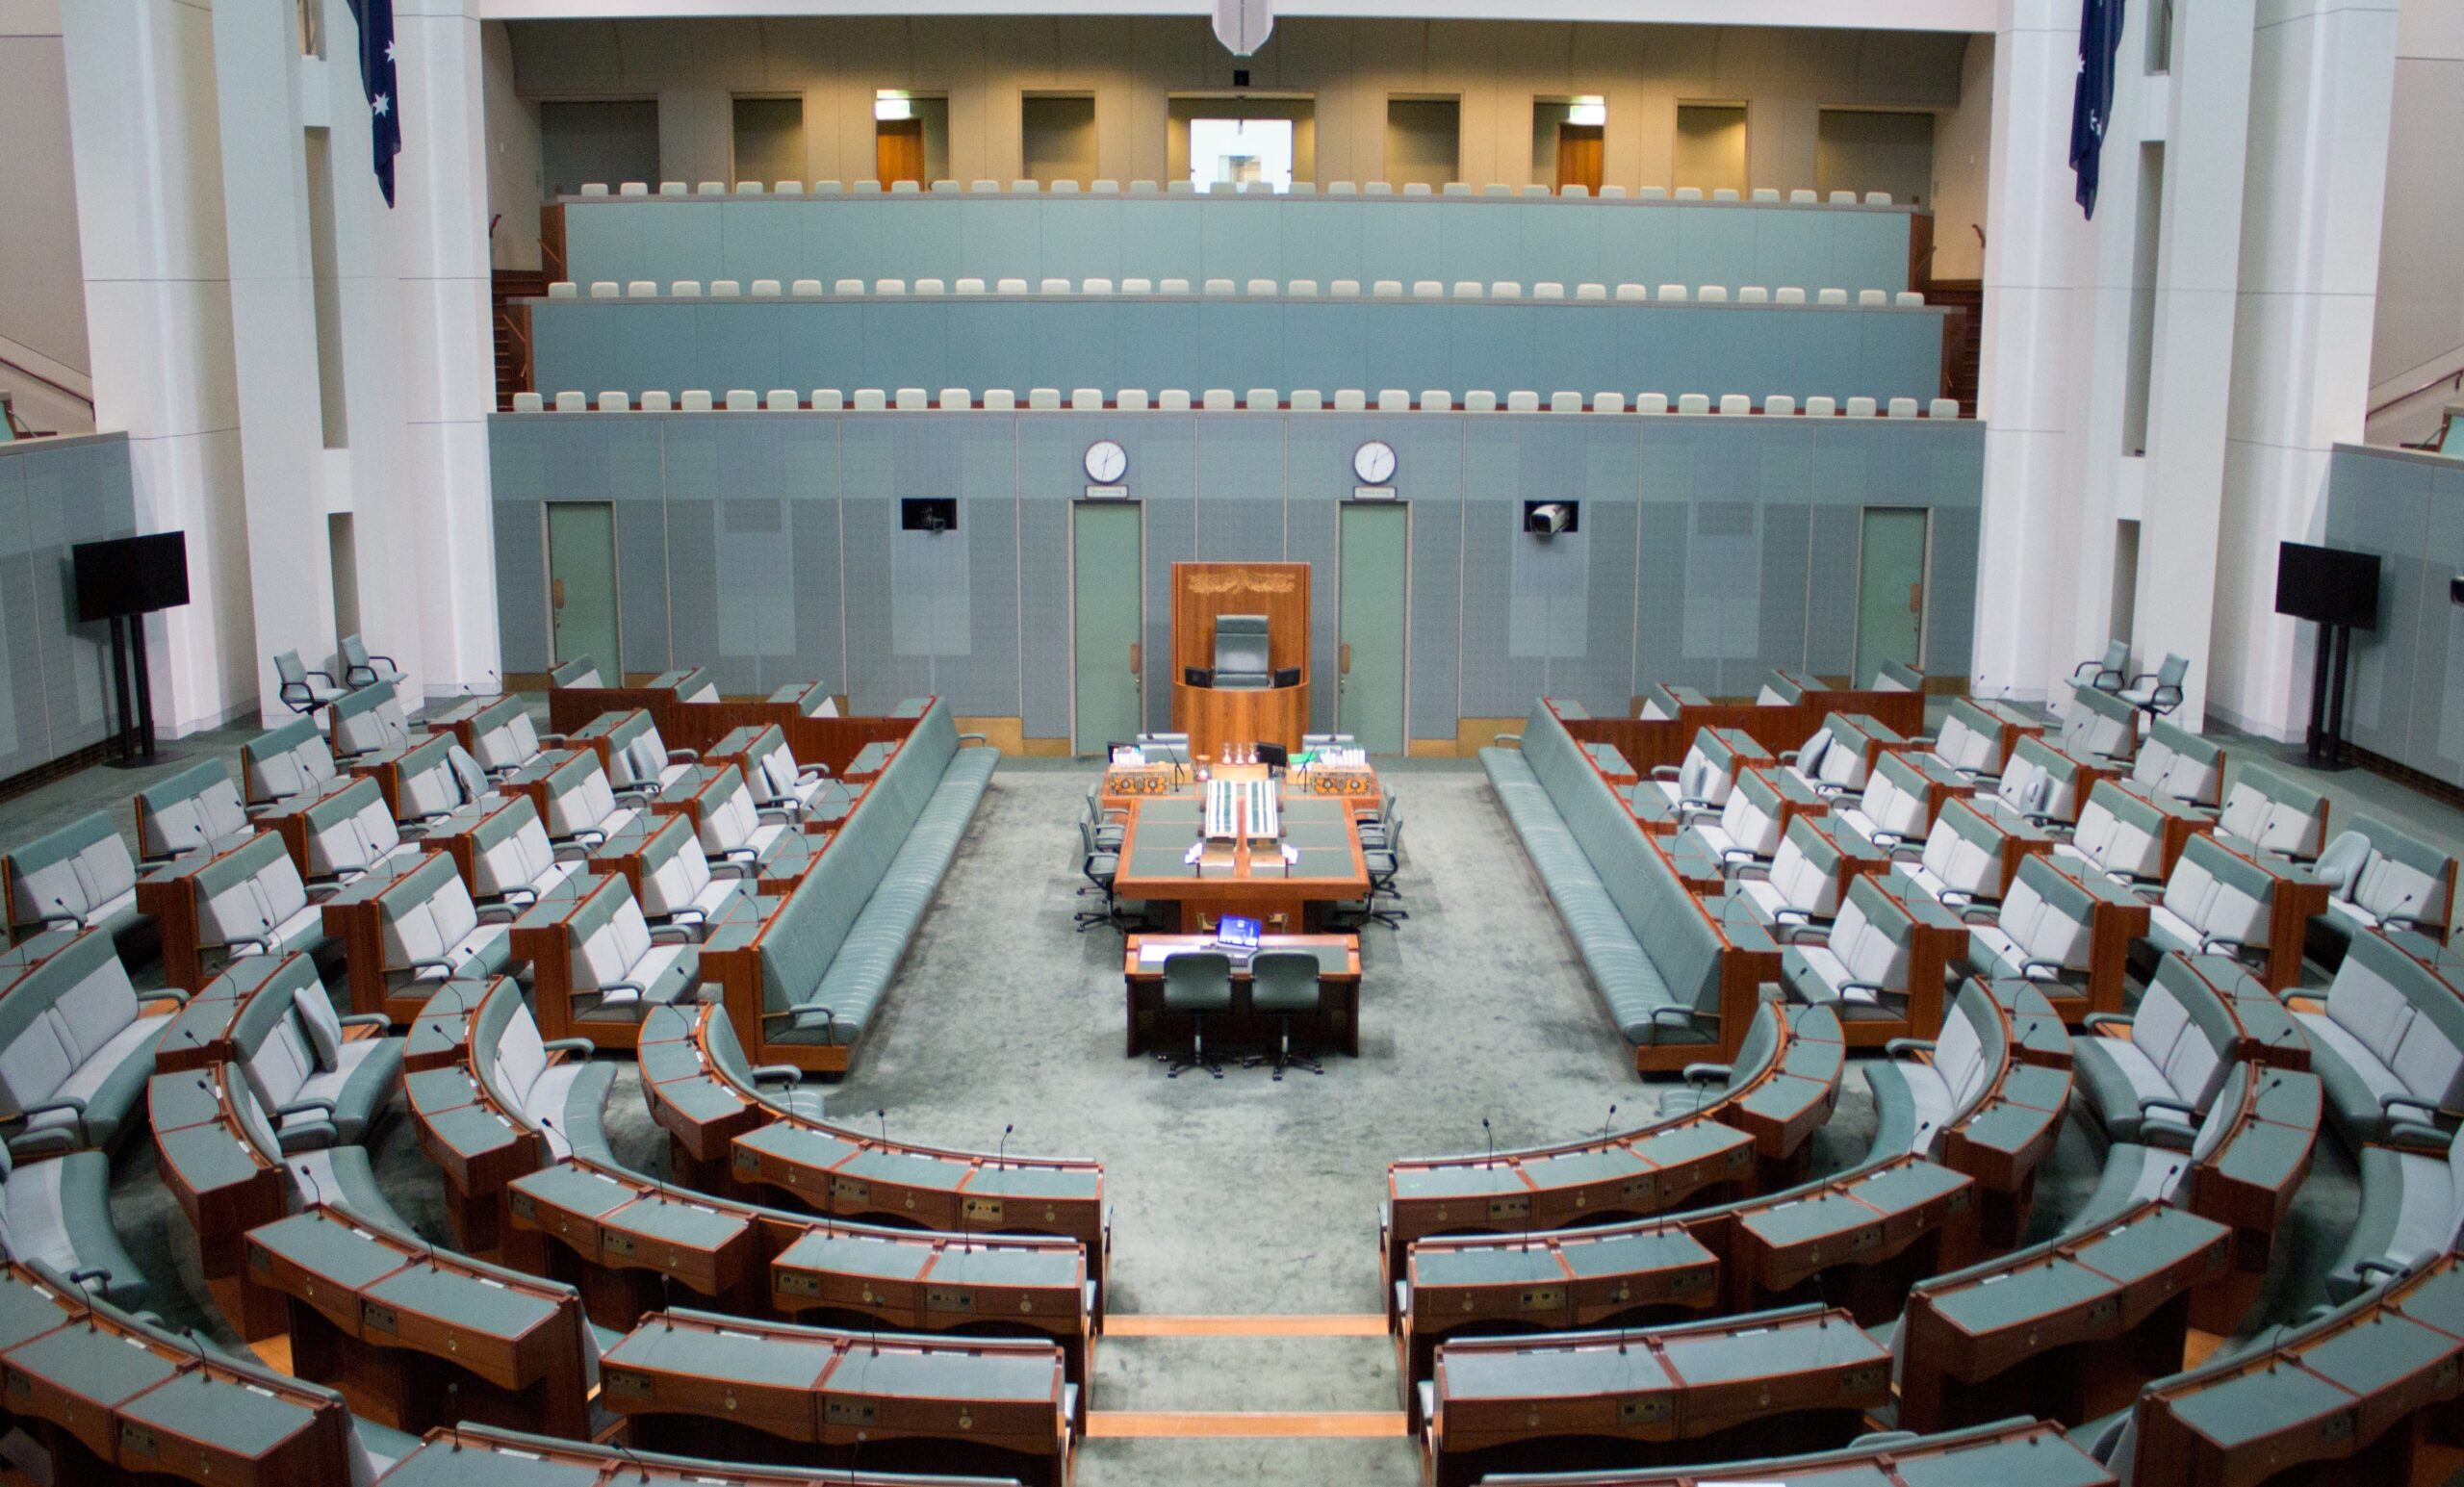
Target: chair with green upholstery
[197,809]
[2041,782]
[289,1044]
[2217,901]
[2171,1063]
[76,1049]
[556,1097]
[2158,692]
[1197,982]
[362,668]
[252,902]
[1384,903]
[779,1086]
[580,670]
[2381,879]
[2178,764]
[1283,982]
[1241,662]
[2107,672]
[2388,1044]
[2412,1207]
[59,1214]
[2099,724]
[2272,814]
[1926,1087]
[369,720]
[301,689]
[286,761]
[432,932]
[78,877]
[1100,866]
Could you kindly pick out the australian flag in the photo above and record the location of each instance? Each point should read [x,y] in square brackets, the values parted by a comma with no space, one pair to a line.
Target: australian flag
[2092,103]
[376,19]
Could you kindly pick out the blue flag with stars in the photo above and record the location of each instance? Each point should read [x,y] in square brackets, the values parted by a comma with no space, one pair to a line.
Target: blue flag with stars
[2091,102]
[376,19]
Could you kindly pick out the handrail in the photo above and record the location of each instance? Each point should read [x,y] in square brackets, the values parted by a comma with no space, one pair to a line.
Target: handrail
[2456,376]
[61,388]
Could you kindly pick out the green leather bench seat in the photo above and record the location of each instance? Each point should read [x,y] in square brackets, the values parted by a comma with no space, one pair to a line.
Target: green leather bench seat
[2266,810]
[565,1101]
[200,807]
[2382,878]
[829,953]
[781,1088]
[2181,1042]
[74,1051]
[2390,1030]
[79,875]
[1652,955]
[290,1043]
[59,1213]
[317,1167]
[1915,1100]
[281,762]
[2015,1452]
[2412,1208]
[252,902]
[580,670]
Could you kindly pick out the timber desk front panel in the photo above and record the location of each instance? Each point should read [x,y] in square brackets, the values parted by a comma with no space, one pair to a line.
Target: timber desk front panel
[731,1139]
[220,1179]
[1216,716]
[1336,1023]
[2069,1328]
[834,743]
[414,1335]
[1631,1175]
[2016,1452]
[620,1239]
[2366,1388]
[1248,877]
[1797,1380]
[106,1393]
[1867,1233]
[696,1381]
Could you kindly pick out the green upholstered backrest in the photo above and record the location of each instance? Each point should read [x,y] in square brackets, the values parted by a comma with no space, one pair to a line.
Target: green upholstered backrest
[619,728]
[2182,741]
[239,864]
[807,698]
[2046,756]
[1909,779]
[601,904]
[1904,675]
[60,845]
[2056,887]
[1760,1045]
[1762,791]
[2123,806]
[496,715]
[574,672]
[1782,687]
[500,825]
[1715,750]
[569,775]
[366,699]
[1971,826]
[46,984]
[1881,911]
[188,784]
[281,740]
[2281,790]
[416,886]
[343,803]
[2228,866]
[2410,851]
[727,1053]
[1820,850]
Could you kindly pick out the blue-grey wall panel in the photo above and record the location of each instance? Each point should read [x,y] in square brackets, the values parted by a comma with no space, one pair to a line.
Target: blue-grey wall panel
[74,491]
[24,735]
[2406,699]
[1241,237]
[1236,341]
[1710,551]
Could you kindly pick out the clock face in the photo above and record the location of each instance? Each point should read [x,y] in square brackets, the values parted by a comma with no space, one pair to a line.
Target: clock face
[1106,462]
[1373,461]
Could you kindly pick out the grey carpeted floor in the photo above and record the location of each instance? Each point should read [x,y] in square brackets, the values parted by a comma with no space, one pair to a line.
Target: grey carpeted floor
[1241,1195]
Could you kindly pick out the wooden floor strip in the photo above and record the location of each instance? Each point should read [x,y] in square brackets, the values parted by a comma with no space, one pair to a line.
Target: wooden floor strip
[1136,1324]
[1258,1425]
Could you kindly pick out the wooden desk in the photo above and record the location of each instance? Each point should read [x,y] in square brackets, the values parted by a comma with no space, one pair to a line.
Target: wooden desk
[613,1224]
[1336,1025]
[1216,716]
[2068,1329]
[392,1322]
[475,1147]
[1243,876]
[220,1179]
[722,1387]
[1800,1379]
[167,892]
[106,1396]
[2117,919]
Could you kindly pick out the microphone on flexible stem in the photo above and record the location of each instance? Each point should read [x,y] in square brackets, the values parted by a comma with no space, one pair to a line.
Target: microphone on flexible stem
[852,1452]
[454,1401]
[1608,1122]
[667,1299]
[637,1461]
[315,1190]
[1492,1138]
[1003,1150]
[883,1115]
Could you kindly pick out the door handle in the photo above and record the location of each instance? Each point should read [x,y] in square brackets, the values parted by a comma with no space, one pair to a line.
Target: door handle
[1346,666]
[1917,599]
[556,591]
[1134,669]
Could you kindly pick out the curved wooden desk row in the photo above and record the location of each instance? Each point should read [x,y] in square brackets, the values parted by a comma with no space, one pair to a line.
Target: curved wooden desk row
[105,1394]
[729,1138]
[2018,1452]
[623,1241]
[418,1337]
[729,1388]
[200,1033]
[1868,1234]
[477,1456]
[2357,1387]
[2012,1129]
[839,742]
[1646,1171]
[1648,742]
[2069,1327]
[1799,1379]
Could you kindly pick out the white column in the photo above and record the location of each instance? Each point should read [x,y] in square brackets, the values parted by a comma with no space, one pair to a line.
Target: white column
[2035,249]
[439,495]
[2319,152]
[148,166]
[263,138]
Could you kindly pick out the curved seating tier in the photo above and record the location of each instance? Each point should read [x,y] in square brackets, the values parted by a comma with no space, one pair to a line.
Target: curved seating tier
[2388,1041]
[2015,1452]
[1970,1100]
[477,1456]
[76,1047]
[734,1127]
[1734,1124]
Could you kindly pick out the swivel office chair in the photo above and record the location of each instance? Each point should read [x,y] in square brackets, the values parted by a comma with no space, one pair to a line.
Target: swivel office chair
[1383,863]
[2106,673]
[1377,830]
[1197,982]
[1109,821]
[2165,692]
[1284,982]
[301,689]
[1101,868]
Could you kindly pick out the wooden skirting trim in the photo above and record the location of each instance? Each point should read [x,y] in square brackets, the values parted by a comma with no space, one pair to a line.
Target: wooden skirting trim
[2429,785]
[1259,1424]
[1136,1324]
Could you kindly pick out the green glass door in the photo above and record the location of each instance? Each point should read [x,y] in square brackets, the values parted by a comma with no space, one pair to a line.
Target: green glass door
[581,585]
[1373,598]
[1890,590]
[1108,567]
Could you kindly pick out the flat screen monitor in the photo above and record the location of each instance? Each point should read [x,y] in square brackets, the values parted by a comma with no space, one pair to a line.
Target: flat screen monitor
[2326,584]
[131,575]
[1235,933]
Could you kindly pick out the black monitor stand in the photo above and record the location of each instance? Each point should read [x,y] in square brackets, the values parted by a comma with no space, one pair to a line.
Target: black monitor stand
[2323,746]
[136,724]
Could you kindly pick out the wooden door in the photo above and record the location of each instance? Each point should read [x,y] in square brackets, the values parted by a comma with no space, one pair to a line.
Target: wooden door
[1578,155]
[898,151]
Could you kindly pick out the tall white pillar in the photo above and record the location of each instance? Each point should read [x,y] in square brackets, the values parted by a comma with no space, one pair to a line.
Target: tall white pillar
[2036,250]
[2308,299]
[143,98]
[264,119]
[441,493]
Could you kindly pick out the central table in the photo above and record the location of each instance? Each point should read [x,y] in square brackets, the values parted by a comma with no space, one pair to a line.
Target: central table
[1336,1023]
[1240,877]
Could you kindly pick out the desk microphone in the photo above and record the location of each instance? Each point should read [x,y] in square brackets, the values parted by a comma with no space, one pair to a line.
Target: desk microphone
[453,1402]
[1003,1149]
[1492,1140]
[637,1461]
[1611,1122]
[883,1115]
[314,1190]
[852,1452]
